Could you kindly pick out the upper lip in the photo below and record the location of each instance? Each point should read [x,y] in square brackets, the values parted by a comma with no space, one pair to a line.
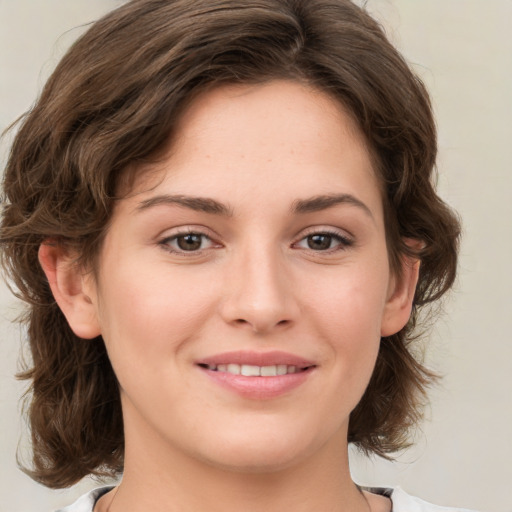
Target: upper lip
[254,358]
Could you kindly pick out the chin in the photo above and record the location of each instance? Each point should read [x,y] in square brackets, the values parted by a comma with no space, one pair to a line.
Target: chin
[262,453]
[255,462]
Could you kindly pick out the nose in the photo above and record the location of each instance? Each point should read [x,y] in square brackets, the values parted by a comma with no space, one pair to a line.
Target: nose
[260,294]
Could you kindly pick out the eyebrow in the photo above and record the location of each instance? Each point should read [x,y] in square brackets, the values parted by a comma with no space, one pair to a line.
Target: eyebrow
[200,204]
[208,205]
[323,202]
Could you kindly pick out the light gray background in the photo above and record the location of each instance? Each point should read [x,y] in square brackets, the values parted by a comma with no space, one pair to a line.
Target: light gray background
[463,51]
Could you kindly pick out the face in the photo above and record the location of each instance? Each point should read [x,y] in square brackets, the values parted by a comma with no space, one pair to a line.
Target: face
[244,283]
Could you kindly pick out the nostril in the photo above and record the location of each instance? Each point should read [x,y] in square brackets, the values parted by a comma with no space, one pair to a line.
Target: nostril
[241,321]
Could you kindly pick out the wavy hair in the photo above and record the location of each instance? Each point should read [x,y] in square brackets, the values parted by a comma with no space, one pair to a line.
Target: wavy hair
[114,100]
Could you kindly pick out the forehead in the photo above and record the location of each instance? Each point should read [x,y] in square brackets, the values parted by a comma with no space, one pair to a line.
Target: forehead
[276,132]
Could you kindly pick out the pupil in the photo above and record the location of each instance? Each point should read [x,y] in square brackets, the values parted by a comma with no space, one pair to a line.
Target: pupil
[189,242]
[319,242]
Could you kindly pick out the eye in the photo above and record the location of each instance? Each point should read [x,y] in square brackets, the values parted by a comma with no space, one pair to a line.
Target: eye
[324,241]
[187,242]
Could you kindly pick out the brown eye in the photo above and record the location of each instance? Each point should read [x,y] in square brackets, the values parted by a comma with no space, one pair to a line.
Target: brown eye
[324,241]
[320,242]
[189,242]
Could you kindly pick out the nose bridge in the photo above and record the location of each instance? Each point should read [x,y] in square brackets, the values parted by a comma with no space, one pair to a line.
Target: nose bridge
[260,295]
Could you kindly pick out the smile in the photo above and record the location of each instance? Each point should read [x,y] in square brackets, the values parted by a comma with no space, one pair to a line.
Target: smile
[258,375]
[249,370]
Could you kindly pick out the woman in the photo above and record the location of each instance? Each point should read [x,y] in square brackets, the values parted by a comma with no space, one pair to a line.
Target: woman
[222,217]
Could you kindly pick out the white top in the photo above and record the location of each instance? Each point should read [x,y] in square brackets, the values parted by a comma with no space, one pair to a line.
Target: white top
[402,502]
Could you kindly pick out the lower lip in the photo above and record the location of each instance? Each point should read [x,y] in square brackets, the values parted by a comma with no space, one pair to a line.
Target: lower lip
[259,388]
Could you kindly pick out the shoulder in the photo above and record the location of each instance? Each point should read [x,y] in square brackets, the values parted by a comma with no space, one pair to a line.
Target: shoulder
[402,502]
[86,502]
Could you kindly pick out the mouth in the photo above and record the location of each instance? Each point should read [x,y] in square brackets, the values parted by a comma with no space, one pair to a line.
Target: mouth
[258,375]
[250,370]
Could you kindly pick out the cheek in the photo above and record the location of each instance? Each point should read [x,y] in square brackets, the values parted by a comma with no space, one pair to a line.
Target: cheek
[146,317]
[351,300]
[348,317]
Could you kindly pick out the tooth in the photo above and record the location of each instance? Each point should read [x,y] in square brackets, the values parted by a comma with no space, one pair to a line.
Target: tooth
[234,369]
[268,371]
[249,370]
[282,369]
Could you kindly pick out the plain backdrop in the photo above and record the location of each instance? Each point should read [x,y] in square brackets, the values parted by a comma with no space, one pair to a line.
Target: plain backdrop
[463,51]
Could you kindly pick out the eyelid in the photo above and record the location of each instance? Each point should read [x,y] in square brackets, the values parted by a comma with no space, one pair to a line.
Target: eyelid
[186,229]
[325,229]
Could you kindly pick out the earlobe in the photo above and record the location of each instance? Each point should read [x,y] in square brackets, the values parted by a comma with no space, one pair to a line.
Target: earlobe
[72,289]
[401,295]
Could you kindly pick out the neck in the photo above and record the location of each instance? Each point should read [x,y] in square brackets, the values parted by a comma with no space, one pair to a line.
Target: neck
[173,481]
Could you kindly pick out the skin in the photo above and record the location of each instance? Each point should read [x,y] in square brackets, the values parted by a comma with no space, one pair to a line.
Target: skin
[259,281]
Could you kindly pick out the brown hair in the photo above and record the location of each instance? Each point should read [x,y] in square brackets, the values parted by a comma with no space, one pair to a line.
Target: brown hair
[114,100]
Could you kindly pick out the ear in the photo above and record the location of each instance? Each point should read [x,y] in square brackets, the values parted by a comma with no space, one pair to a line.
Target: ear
[73,289]
[400,296]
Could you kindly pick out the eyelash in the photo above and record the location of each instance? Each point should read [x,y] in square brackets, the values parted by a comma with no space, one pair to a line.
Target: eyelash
[344,242]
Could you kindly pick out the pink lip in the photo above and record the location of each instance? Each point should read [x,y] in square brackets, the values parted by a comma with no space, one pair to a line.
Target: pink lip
[258,388]
[271,358]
